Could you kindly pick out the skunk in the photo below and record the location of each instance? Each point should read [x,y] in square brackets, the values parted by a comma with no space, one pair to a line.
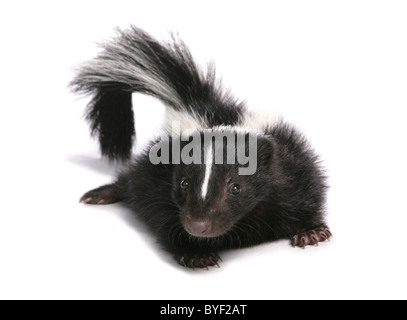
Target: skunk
[212,200]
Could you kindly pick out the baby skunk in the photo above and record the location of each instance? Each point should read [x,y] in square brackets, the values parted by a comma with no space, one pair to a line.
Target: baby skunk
[198,208]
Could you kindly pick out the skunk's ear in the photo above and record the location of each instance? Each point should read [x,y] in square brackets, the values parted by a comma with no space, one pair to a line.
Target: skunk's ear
[265,151]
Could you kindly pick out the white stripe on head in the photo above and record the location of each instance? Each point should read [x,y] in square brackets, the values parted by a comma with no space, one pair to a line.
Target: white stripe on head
[208,170]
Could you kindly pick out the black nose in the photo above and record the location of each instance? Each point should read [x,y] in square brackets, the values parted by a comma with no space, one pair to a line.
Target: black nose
[199,228]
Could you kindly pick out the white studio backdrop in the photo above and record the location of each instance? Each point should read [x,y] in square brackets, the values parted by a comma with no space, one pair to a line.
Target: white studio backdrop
[335,69]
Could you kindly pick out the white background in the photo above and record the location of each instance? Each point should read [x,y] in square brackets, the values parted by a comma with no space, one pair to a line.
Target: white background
[336,69]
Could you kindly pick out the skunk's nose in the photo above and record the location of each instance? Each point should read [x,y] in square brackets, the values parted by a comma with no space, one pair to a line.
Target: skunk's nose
[199,228]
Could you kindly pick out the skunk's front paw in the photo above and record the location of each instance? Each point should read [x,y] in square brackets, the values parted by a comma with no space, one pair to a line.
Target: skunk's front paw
[198,260]
[102,195]
[311,237]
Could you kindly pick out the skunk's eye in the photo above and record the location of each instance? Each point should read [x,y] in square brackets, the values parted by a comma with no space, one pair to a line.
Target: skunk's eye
[234,189]
[184,184]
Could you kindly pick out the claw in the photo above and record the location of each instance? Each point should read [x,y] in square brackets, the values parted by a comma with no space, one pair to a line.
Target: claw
[181,261]
[324,235]
[87,200]
[295,241]
[303,241]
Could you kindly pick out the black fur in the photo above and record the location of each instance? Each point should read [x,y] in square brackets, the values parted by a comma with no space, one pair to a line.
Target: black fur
[283,199]
[111,118]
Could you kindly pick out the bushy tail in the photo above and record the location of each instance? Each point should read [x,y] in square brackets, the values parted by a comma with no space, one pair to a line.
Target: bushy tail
[136,62]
